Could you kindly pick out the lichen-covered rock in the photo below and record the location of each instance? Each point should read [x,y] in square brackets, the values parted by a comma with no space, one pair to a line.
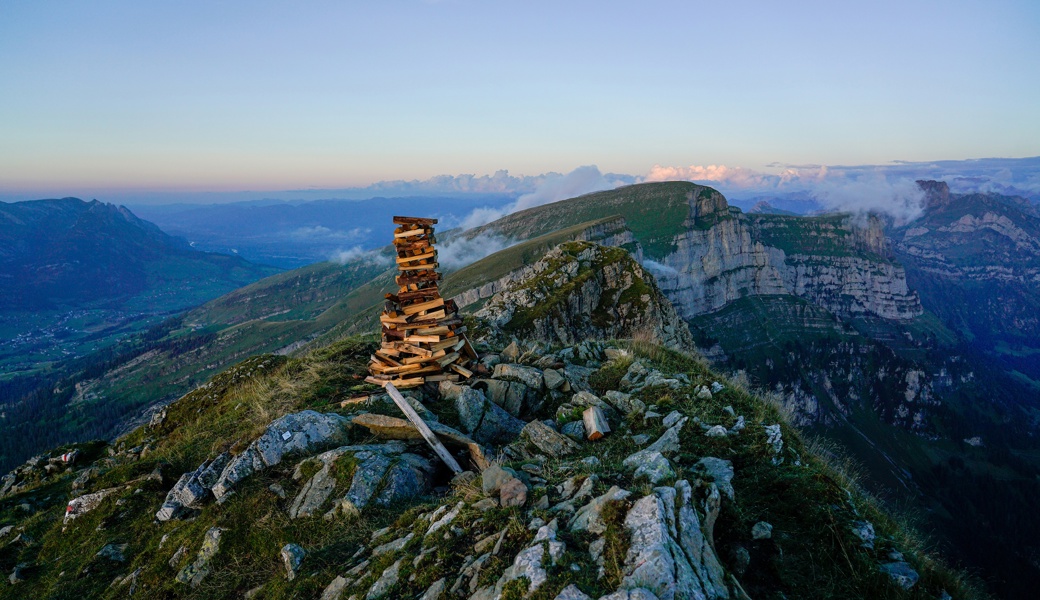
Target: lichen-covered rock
[194,573]
[548,441]
[487,422]
[192,490]
[81,505]
[718,470]
[669,554]
[590,518]
[901,573]
[529,376]
[292,558]
[305,432]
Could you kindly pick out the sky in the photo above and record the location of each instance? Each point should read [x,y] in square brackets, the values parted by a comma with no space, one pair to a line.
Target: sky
[116,98]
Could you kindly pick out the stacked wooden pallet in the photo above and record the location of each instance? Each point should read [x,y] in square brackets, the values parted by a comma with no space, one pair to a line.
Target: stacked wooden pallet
[423,336]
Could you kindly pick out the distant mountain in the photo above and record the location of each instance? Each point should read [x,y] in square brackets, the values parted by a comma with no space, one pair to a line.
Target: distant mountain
[68,253]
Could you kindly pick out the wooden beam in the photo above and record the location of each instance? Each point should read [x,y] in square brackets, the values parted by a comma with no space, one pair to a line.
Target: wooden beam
[461,370]
[424,256]
[411,233]
[398,220]
[596,425]
[423,428]
[421,306]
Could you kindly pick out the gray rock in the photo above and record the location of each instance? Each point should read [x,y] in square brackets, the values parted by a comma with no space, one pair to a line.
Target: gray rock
[297,433]
[901,573]
[625,403]
[515,397]
[631,594]
[81,505]
[589,517]
[531,562]
[17,574]
[553,379]
[292,557]
[192,490]
[574,430]
[668,443]
[529,376]
[669,555]
[511,352]
[650,465]
[718,470]
[590,461]
[194,573]
[386,581]
[549,442]
[864,530]
[492,479]
[776,441]
[571,592]
[114,552]
[717,431]
[487,422]
[635,375]
[334,591]
[761,531]
[435,591]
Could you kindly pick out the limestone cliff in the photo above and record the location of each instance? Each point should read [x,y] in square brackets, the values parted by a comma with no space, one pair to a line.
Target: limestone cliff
[837,262]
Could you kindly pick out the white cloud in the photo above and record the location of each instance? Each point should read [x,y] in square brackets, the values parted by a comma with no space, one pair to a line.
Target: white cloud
[357,254]
[462,251]
[903,199]
[552,188]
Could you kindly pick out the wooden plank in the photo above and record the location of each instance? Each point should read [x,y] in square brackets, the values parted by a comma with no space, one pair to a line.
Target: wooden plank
[422,359]
[407,259]
[423,339]
[420,278]
[421,306]
[467,348]
[442,377]
[448,359]
[423,428]
[596,425]
[461,370]
[442,330]
[429,292]
[399,220]
[411,349]
[410,267]
[410,234]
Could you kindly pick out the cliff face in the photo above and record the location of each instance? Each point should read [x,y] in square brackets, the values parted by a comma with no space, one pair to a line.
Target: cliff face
[837,263]
[976,260]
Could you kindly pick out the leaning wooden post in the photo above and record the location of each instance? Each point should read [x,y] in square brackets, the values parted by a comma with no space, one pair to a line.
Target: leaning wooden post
[424,429]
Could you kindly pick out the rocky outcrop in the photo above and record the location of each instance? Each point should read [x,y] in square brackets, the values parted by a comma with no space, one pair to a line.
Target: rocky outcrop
[610,232]
[583,291]
[297,433]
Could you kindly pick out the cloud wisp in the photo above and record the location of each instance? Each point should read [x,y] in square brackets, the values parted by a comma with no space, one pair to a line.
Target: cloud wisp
[552,188]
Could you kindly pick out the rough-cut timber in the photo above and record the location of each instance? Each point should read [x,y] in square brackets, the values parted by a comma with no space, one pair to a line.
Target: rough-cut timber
[423,337]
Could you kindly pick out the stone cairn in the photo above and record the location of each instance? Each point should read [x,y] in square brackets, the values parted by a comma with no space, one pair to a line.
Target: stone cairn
[423,337]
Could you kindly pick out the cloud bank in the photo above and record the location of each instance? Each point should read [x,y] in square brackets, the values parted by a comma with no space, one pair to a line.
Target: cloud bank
[552,188]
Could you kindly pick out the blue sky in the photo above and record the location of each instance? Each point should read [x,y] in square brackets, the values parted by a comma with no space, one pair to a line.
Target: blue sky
[104,97]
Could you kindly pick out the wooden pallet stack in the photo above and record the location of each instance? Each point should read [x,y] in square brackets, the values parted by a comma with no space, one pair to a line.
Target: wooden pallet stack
[423,336]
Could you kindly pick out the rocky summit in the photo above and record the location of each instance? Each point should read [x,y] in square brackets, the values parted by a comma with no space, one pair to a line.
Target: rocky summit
[602,459]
